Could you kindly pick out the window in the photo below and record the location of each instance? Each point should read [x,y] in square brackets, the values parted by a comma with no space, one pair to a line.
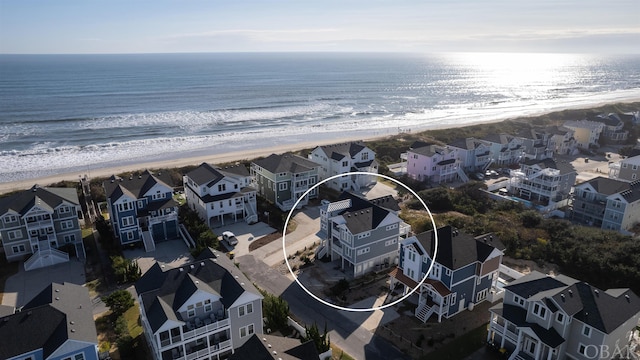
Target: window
[64,209]
[130,235]
[364,235]
[18,249]
[125,206]
[10,219]
[634,167]
[140,204]
[365,156]
[247,330]
[191,311]
[447,272]
[582,349]
[245,309]
[282,186]
[560,317]
[222,187]
[15,234]
[586,331]
[69,238]
[312,181]
[363,251]
[634,176]
[126,221]
[158,195]
[412,256]
[79,356]
[518,300]
[67,225]
[391,227]
[345,163]
[539,310]
[390,242]
[453,298]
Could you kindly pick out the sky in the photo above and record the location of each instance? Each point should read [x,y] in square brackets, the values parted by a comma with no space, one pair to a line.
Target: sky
[169,26]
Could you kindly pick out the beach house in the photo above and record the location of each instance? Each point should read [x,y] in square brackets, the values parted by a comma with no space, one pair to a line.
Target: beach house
[363,234]
[464,274]
[586,133]
[200,310]
[43,222]
[535,143]
[613,131]
[142,209]
[342,158]
[221,195]
[626,169]
[474,154]
[505,149]
[270,347]
[545,181]
[552,318]
[56,324]
[282,179]
[434,163]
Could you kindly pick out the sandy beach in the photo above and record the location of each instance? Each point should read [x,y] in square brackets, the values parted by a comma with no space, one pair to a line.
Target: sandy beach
[254,152]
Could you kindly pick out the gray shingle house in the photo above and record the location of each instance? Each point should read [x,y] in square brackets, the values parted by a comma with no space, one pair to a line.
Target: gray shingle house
[201,310]
[39,221]
[57,324]
[343,158]
[269,347]
[552,318]
[363,234]
[282,179]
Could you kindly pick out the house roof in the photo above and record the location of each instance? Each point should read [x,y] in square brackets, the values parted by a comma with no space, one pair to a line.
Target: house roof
[44,197]
[58,313]
[431,150]
[205,174]
[607,186]
[457,249]
[518,316]
[468,143]
[563,166]
[603,310]
[286,163]
[269,347]
[633,194]
[135,186]
[164,291]
[363,215]
[609,120]
[498,138]
[339,151]
[388,202]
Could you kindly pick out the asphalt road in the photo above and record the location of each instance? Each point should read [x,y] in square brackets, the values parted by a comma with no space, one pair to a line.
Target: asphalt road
[349,336]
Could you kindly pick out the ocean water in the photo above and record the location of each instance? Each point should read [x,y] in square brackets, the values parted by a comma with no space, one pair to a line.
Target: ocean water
[64,113]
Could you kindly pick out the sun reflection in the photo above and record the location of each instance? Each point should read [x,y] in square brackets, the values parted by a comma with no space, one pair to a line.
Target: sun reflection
[513,73]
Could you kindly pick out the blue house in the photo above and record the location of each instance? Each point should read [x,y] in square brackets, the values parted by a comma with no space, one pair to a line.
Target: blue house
[57,324]
[142,209]
[465,272]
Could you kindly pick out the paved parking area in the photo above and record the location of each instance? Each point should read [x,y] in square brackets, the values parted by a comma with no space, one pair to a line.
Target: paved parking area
[381,189]
[245,234]
[172,253]
[23,286]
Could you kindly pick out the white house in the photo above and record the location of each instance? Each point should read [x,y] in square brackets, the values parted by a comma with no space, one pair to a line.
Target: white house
[343,158]
[221,195]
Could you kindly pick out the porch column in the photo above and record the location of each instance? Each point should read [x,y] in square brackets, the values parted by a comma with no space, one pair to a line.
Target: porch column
[440,312]
[504,332]
[518,347]
[550,353]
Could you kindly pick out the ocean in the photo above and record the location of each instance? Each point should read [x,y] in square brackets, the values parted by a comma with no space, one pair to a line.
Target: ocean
[68,113]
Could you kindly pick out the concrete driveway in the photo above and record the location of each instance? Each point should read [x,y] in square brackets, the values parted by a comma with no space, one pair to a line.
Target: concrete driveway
[20,288]
[245,234]
[172,253]
[381,189]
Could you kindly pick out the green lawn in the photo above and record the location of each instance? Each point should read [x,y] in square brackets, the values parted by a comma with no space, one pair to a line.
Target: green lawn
[462,346]
[132,315]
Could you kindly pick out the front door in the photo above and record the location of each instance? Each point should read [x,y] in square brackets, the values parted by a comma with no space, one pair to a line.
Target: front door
[530,346]
[461,305]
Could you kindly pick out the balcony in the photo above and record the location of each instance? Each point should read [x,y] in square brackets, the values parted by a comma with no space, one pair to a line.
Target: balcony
[39,223]
[405,229]
[204,327]
[160,218]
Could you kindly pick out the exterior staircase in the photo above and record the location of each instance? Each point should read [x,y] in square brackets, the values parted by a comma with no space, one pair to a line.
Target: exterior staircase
[463,177]
[424,312]
[251,216]
[45,257]
[186,237]
[147,239]
[322,251]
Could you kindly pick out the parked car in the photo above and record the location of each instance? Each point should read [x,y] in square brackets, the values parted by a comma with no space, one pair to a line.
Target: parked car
[478,176]
[230,238]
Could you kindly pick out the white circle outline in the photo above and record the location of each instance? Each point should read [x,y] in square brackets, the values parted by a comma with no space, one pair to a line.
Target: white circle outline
[295,205]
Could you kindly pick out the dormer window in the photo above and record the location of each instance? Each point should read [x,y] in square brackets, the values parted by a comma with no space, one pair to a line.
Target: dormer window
[191,311]
[560,317]
[63,209]
[586,330]
[539,310]
[158,195]
[10,219]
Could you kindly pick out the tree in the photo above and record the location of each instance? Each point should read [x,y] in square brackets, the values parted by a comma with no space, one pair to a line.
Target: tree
[119,301]
[125,269]
[276,312]
[322,342]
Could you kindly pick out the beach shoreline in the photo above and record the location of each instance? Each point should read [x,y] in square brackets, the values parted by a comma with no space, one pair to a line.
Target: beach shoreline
[252,153]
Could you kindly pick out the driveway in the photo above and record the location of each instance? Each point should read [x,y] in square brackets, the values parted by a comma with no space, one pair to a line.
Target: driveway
[245,234]
[381,189]
[20,288]
[172,253]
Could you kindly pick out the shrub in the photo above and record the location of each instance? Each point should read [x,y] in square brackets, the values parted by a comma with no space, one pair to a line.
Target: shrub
[119,301]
